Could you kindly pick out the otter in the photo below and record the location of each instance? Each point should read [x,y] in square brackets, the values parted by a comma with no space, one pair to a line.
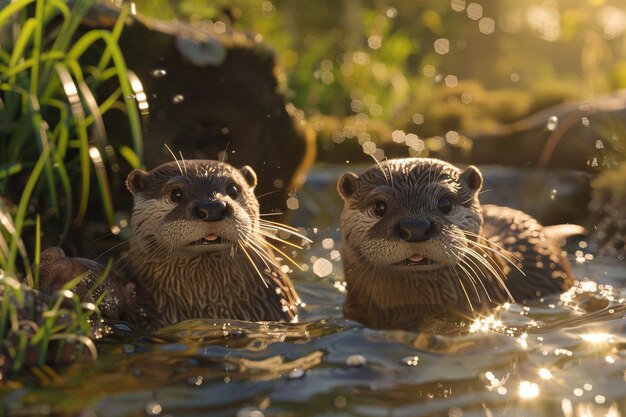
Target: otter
[418,244]
[197,250]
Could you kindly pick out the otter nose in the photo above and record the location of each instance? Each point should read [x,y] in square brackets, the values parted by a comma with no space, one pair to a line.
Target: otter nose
[418,230]
[211,211]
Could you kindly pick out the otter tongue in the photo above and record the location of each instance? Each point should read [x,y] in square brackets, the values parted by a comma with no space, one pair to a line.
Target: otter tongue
[416,258]
[210,237]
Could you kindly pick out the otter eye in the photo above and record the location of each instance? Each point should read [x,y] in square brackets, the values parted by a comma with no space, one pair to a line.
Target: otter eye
[177,195]
[379,208]
[445,205]
[232,191]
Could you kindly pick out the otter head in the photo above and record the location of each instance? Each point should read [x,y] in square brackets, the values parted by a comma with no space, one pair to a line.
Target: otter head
[410,214]
[192,207]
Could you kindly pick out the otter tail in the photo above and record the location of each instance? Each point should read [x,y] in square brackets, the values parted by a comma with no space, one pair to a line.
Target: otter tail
[559,232]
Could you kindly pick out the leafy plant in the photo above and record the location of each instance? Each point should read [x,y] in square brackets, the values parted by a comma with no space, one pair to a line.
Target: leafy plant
[52,138]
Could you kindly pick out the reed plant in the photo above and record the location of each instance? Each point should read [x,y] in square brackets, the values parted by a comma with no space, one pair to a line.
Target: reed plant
[52,141]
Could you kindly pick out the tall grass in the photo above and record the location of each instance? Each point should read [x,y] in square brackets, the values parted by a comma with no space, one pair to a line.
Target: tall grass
[52,139]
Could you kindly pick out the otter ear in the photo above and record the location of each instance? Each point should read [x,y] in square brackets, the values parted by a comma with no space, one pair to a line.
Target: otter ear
[137,181]
[472,178]
[347,185]
[249,175]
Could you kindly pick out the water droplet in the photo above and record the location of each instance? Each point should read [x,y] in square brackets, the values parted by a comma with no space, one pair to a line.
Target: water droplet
[356,360]
[442,46]
[392,12]
[487,25]
[153,409]
[553,194]
[293,203]
[457,5]
[328,243]
[585,121]
[322,267]
[451,81]
[158,73]
[553,122]
[178,98]
[128,348]
[474,11]
[297,373]
[410,360]
[195,381]
[369,148]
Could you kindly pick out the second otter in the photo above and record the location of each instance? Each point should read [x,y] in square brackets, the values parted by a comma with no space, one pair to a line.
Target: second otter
[197,250]
[418,244]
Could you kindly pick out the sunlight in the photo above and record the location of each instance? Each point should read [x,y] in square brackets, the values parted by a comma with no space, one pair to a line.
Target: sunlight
[528,390]
[596,337]
[545,373]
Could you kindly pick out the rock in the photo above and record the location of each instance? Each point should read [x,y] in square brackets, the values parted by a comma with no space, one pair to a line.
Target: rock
[214,92]
[580,135]
[56,270]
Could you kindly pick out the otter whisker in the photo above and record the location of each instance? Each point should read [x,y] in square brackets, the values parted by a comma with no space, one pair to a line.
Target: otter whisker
[278,213]
[381,168]
[471,244]
[111,249]
[471,273]
[497,252]
[274,237]
[241,245]
[284,228]
[490,242]
[491,269]
[467,262]
[174,156]
[183,160]
[258,248]
[464,290]
[258,197]
[287,257]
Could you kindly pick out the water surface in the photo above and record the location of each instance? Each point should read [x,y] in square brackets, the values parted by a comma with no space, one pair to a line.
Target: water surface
[560,356]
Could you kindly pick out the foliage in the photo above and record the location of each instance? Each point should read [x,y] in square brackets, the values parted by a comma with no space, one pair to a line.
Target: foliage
[377,60]
[52,138]
[52,122]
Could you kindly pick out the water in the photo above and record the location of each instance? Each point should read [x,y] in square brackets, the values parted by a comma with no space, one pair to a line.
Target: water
[559,356]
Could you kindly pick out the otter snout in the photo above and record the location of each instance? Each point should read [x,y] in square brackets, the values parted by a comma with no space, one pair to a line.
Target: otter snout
[211,211]
[415,230]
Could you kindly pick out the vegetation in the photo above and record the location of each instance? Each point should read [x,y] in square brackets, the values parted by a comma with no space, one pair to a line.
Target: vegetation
[426,68]
[52,138]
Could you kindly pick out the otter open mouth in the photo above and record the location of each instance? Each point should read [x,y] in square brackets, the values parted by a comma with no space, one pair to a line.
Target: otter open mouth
[415,260]
[210,239]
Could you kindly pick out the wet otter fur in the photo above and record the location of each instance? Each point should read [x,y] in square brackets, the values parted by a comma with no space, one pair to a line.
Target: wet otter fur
[417,244]
[197,246]
[197,250]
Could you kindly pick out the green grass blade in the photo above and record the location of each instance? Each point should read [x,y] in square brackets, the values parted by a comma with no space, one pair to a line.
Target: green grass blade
[37,37]
[131,157]
[81,46]
[25,201]
[14,7]
[71,91]
[115,34]
[37,264]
